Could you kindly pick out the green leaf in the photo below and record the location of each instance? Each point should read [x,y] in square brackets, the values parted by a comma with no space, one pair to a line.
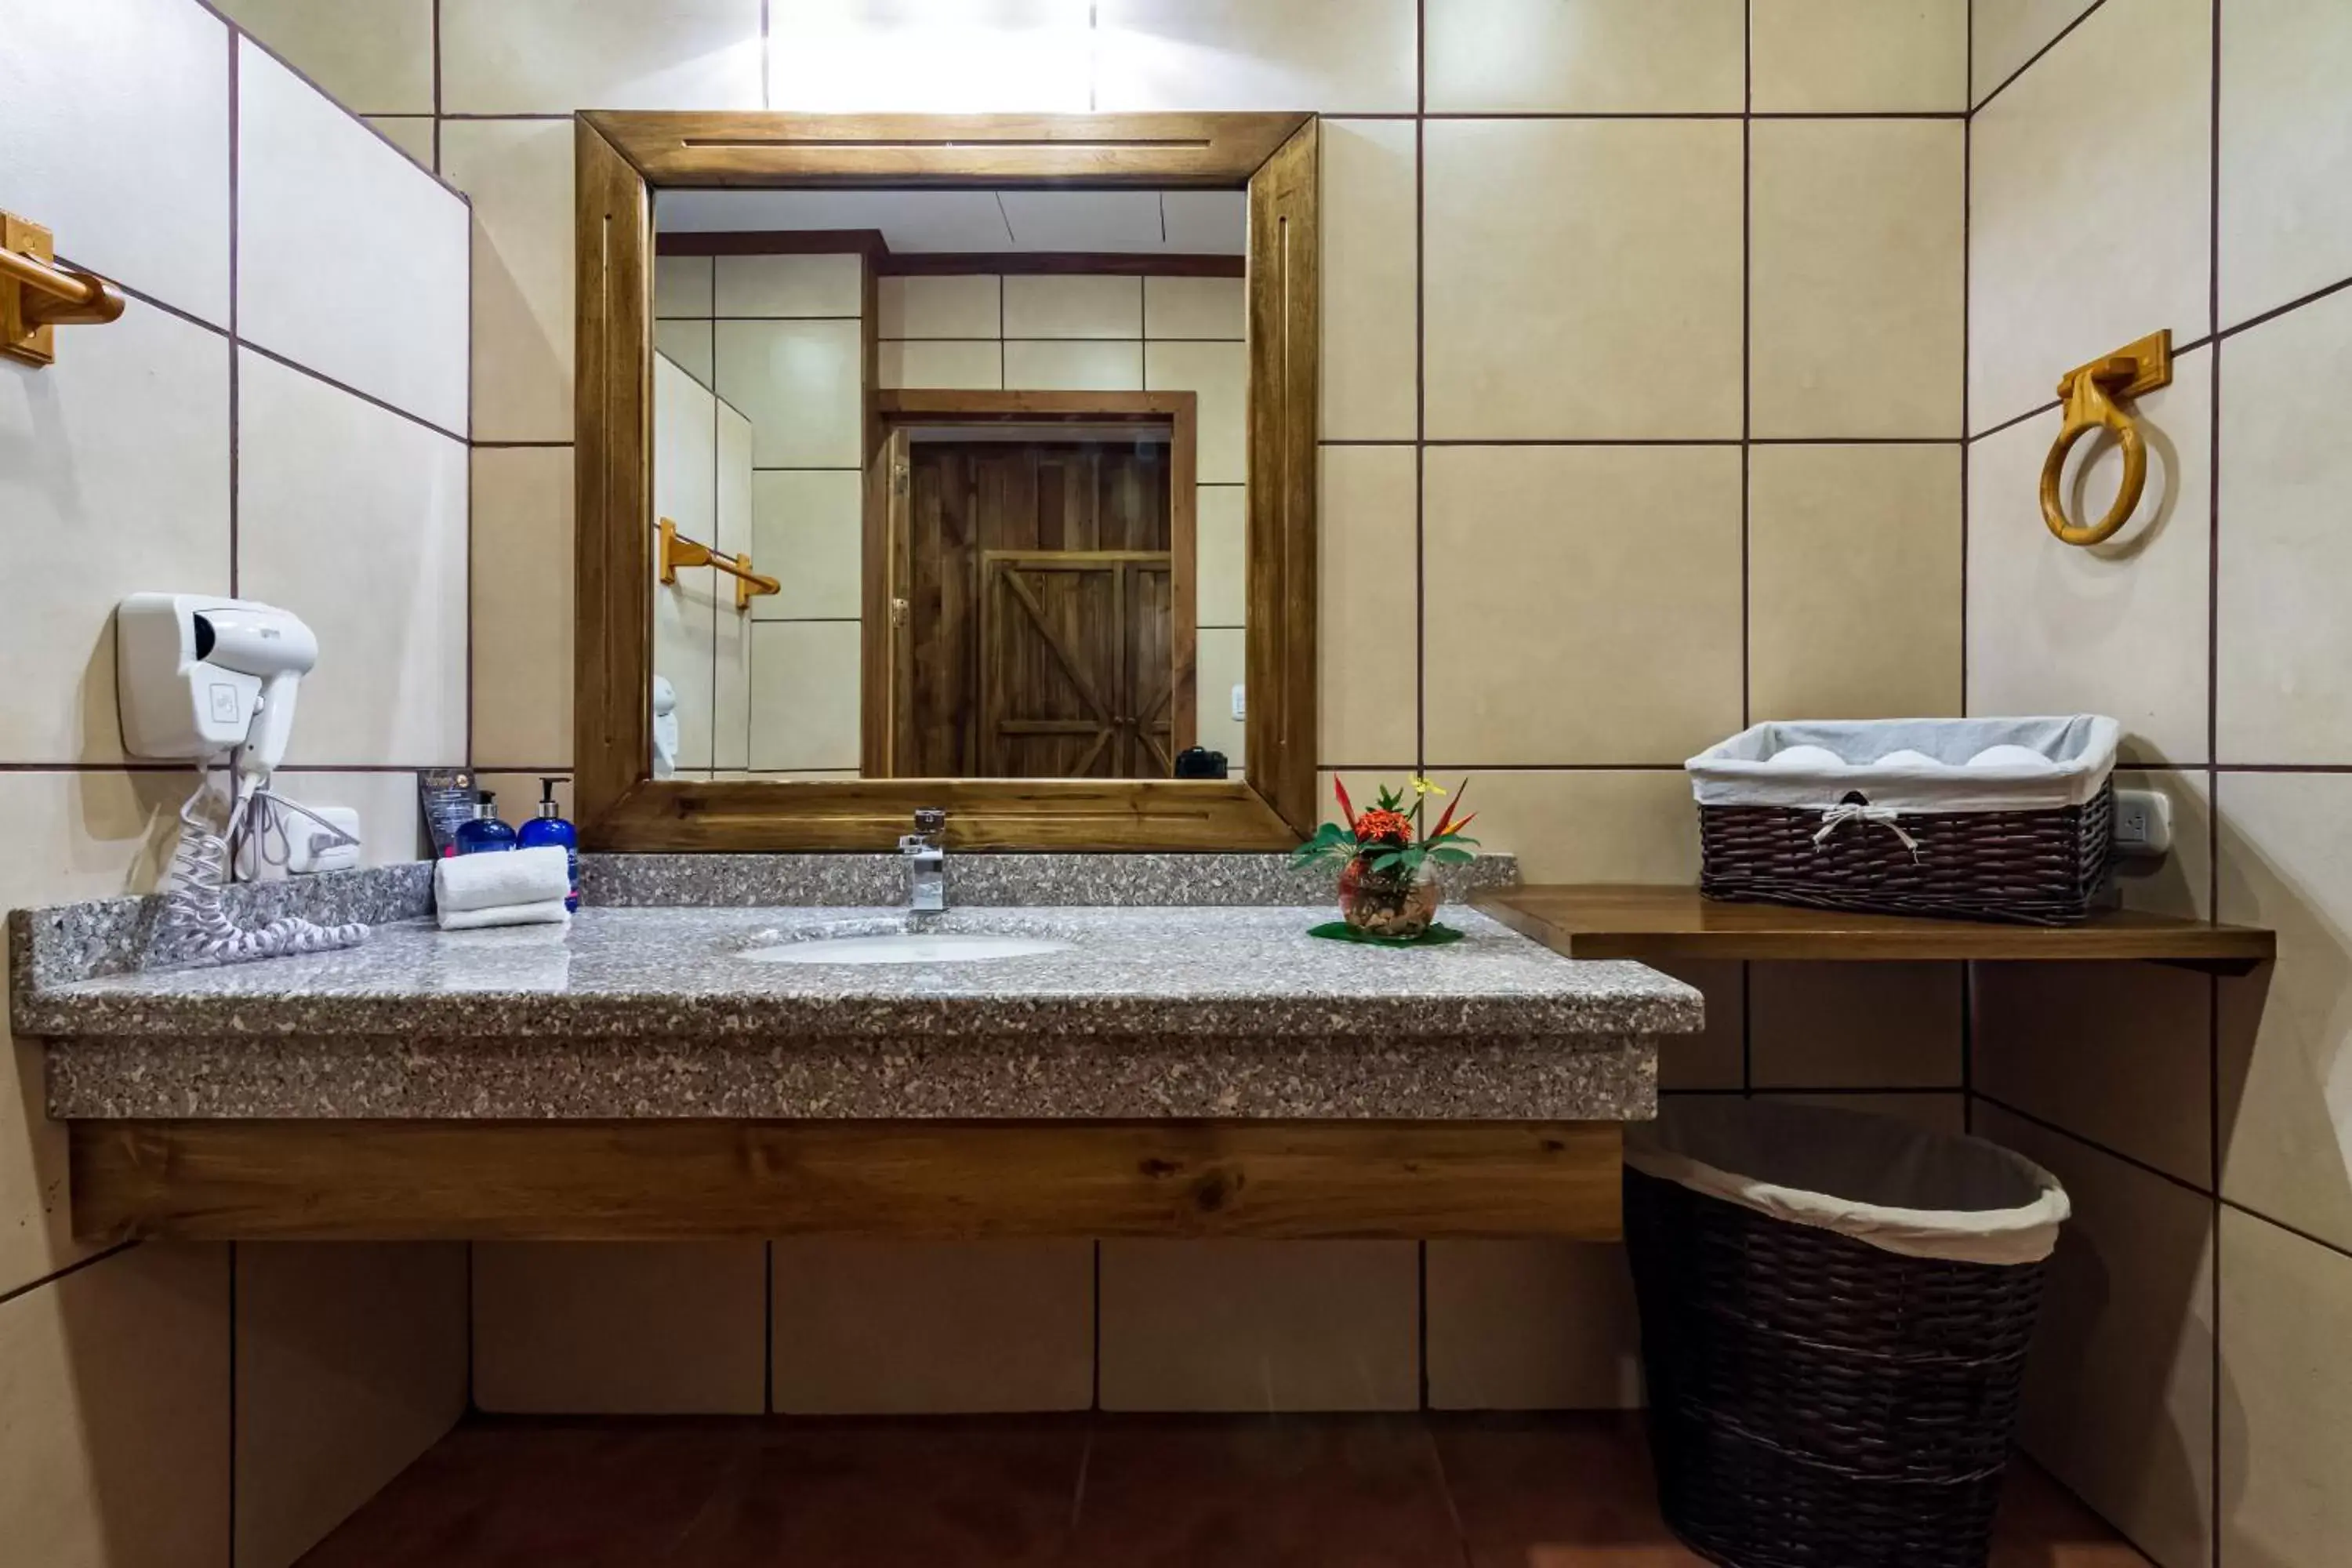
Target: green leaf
[1447,856]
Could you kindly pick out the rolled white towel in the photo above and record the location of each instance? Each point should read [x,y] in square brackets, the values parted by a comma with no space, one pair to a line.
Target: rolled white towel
[1906,758]
[1804,757]
[546,912]
[489,882]
[2010,757]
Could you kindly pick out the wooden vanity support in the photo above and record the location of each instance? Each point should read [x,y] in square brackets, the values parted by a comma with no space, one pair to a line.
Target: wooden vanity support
[673,1180]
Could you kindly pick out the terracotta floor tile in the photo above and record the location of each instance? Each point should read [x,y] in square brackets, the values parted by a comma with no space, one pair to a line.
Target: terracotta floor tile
[2043,1525]
[1556,1492]
[879,1494]
[1263,1492]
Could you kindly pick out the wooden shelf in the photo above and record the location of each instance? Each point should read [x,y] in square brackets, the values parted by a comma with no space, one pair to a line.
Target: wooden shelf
[1627,921]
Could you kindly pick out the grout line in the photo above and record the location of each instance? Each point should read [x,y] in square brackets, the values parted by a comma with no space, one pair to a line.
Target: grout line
[2337,1247]
[1968,199]
[2032,61]
[235,360]
[2113,1154]
[1696,114]
[2275,312]
[2214,744]
[232,1403]
[1726,1091]
[1421,1319]
[75,1267]
[768,1251]
[473,1405]
[1095,1396]
[1746,361]
[1420,393]
[435,39]
[368,397]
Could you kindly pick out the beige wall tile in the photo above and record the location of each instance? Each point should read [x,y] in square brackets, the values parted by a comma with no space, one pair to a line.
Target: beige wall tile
[2109,133]
[805,686]
[1260,1326]
[686,612]
[1371,206]
[1335,56]
[2056,629]
[350,1362]
[1213,307]
[1853,583]
[1854,1025]
[105,97]
[1651,57]
[2286,1033]
[1219,374]
[116,1446]
[2008,33]
[117,481]
[953,307]
[386,802]
[522,610]
[875,1328]
[2120,1053]
[519,794]
[1032,365]
[801,384]
[1583,603]
[1082,306]
[962,366]
[2181,883]
[331,225]
[1614,316]
[1220,662]
[2287,151]
[1714,1058]
[811,524]
[2284,663]
[541,56]
[385,590]
[1367,647]
[2286,1412]
[687,345]
[374,56]
[519,174]
[1531,1325]
[685,286]
[610,1327]
[88,835]
[1856,247]
[730,684]
[1936,1112]
[2119,1387]
[1221,538]
[791,285]
[414,135]
[1589,826]
[916,56]
[1866,56]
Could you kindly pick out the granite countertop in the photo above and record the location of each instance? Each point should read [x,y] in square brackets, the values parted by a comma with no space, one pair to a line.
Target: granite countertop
[1228,973]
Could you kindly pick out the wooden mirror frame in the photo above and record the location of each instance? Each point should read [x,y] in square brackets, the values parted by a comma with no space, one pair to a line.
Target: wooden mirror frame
[621,158]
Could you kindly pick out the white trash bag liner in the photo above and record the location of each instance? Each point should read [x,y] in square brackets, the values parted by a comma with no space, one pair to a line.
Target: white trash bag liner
[2077,753]
[1899,1187]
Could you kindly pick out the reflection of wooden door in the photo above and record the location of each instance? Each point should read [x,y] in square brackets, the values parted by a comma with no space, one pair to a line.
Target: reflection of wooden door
[885,712]
[1076,676]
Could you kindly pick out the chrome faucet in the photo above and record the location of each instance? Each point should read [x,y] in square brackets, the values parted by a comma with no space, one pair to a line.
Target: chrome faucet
[927,861]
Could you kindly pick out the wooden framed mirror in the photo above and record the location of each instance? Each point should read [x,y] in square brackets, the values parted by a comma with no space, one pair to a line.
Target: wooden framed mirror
[1112,623]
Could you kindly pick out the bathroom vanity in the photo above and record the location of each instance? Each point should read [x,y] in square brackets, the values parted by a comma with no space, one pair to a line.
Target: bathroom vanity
[762,1046]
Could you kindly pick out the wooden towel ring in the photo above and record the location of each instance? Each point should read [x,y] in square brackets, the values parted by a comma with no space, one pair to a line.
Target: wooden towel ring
[2092,394]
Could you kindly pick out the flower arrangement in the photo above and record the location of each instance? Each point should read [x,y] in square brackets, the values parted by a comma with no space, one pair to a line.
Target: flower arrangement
[1385,891]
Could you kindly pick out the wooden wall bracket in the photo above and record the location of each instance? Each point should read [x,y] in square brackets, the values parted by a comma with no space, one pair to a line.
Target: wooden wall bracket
[2095,395]
[37,296]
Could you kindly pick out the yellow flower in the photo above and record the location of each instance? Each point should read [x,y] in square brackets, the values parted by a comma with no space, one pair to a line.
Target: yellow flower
[1422,786]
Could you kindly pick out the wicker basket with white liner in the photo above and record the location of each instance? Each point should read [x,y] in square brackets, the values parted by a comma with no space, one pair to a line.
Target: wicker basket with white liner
[1999,819]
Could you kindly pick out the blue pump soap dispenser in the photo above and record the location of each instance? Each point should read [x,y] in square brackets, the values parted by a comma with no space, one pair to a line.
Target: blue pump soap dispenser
[486,832]
[548,827]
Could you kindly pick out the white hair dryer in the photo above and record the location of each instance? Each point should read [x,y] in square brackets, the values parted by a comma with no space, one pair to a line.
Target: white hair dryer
[196,675]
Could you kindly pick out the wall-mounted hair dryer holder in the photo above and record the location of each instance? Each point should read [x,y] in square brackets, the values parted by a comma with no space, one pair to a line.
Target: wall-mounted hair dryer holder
[2094,397]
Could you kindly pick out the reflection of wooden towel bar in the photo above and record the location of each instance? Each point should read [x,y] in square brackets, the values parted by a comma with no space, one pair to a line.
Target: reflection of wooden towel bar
[677,550]
[2093,395]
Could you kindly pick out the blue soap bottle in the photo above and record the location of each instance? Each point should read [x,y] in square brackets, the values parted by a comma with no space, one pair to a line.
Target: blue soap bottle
[486,832]
[548,827]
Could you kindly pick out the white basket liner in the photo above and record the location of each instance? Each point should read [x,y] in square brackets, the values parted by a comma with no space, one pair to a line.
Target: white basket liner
[2080,749]
[1894,1185]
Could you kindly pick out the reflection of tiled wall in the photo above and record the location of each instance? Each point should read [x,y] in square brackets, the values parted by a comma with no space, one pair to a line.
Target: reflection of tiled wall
[782,338]
[1065,333]
[2193,1384]
[1623,385]
[282,412]
[702,643]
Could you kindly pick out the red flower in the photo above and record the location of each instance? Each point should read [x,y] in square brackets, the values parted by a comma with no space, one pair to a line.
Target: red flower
[1383,826]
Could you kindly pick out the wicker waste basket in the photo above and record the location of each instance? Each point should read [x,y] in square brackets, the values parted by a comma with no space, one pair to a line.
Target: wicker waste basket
[1835,1309]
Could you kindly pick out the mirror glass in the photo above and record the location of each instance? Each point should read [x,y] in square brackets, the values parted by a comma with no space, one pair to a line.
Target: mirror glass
[950,483]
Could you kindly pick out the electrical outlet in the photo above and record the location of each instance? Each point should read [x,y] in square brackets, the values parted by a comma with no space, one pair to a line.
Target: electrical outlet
[2143,823]
[310,848]
[1241,703]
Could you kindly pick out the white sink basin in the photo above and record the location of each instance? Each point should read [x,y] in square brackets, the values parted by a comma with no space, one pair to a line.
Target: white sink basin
[905,947]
